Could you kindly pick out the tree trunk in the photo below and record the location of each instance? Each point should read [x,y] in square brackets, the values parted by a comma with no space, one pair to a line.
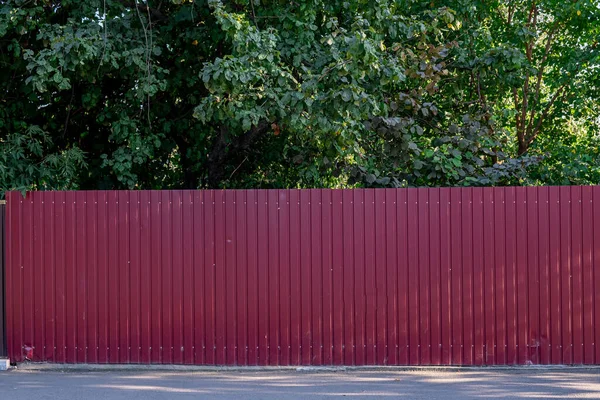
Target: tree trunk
[228,150]
[523,147]
[191,180]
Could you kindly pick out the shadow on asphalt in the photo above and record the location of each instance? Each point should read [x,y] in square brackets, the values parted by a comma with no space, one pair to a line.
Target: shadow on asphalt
[297,385]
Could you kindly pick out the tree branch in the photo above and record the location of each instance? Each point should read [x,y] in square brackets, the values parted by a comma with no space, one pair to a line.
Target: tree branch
[540,75]
[104,25]
[532,10]
[499,12]
[525,103]
[148,52]
[480,94]
[238,167]
[545,113]
[156,14]
[69,110]
[253,13]
[519,123]
[522,120]
[223,150]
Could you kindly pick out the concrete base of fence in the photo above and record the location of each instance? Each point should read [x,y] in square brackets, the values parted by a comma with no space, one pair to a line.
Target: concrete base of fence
[4,364]
[305,369]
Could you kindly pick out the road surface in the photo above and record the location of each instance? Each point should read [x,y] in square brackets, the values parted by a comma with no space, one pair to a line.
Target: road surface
[477,384]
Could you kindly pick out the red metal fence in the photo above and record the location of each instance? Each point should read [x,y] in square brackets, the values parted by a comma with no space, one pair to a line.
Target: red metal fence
[472,276]
[2,331]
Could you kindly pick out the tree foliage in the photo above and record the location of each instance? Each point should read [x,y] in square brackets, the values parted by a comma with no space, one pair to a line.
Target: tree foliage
[532,63]
[248,93]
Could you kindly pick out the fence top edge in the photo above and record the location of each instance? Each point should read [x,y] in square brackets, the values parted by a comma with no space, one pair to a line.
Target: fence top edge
[443,188]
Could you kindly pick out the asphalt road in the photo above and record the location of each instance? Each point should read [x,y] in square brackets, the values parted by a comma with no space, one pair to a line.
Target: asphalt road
[21,385]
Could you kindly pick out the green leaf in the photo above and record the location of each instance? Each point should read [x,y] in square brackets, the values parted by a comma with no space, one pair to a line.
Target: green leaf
[346,95]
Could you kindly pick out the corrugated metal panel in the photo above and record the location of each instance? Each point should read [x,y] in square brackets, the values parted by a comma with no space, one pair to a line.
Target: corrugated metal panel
[2,311]
[461,276]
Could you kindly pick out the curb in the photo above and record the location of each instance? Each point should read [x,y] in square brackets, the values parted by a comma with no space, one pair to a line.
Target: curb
[40,367]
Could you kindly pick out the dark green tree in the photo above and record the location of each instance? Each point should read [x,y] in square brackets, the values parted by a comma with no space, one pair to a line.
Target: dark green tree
[248,93]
